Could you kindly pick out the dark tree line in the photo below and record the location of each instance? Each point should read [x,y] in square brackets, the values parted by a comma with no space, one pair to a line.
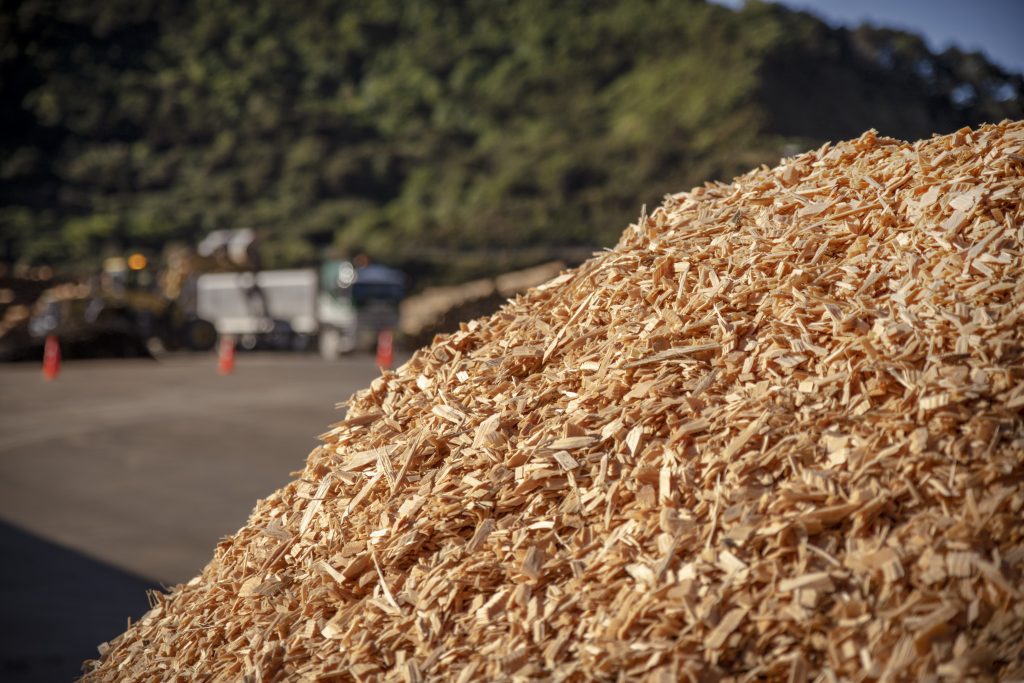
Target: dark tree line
[421,129]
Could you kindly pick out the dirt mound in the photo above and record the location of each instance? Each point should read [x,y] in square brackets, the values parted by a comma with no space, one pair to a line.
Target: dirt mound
[775,433]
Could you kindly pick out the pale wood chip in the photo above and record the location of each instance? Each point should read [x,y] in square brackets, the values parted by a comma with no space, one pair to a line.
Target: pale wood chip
[774,433]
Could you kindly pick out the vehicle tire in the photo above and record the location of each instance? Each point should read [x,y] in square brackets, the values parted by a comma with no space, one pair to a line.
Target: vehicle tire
[199,335]
[329,343]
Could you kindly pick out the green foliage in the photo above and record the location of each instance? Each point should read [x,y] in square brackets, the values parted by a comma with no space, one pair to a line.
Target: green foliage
[417,129]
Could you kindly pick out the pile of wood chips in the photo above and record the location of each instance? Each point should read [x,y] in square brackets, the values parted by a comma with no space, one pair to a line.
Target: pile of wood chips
[775,433]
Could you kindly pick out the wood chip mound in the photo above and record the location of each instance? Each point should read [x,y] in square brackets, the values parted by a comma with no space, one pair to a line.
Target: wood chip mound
[774,434]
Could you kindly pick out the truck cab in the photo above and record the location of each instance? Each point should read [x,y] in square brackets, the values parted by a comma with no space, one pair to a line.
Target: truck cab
[355,304]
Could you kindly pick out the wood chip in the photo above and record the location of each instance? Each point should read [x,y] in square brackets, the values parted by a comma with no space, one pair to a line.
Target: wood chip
[565,460]
[716,639]
[774,434]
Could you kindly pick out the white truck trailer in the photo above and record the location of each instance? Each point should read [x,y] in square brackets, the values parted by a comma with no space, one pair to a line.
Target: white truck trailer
[339,307]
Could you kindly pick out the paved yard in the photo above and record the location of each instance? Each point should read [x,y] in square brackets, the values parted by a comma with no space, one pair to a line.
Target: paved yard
[131,470]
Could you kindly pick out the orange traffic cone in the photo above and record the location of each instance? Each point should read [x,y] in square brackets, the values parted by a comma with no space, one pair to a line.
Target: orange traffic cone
[226,355]
[51,358]
[385,350]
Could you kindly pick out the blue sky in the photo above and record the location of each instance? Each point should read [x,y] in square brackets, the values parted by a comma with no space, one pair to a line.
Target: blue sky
[995,27]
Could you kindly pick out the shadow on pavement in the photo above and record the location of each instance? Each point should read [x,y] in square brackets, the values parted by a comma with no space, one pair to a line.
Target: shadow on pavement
[57,605]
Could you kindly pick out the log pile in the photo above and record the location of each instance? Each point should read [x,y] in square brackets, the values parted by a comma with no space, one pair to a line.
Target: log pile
[440,310]
[774,434]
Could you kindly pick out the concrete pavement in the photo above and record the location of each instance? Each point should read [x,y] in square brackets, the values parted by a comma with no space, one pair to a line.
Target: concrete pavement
[138,467]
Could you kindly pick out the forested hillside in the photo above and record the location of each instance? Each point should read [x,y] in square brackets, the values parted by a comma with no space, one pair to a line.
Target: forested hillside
[420,129]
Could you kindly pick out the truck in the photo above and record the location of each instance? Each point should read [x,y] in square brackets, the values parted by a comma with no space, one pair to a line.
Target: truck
[337,307]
